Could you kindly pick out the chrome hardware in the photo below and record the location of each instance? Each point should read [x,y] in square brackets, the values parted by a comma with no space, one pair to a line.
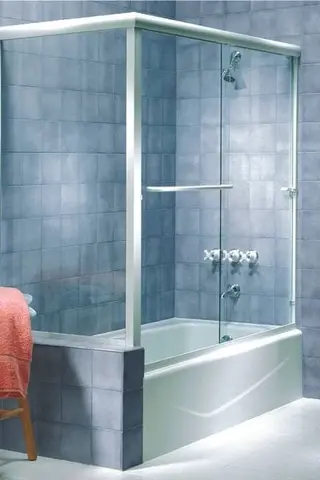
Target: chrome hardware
[225,338]
[290,190]
[216,255]
[232,291]
[252,257]
[236,256]
[208,255]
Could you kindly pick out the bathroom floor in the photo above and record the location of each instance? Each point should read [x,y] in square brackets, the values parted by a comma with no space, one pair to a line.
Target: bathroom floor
[281,445]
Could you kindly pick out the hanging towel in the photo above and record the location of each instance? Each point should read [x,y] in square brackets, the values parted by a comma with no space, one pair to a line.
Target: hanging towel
[15,343]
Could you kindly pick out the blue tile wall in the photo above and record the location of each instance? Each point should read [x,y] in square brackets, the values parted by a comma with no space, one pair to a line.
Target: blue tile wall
[63,165]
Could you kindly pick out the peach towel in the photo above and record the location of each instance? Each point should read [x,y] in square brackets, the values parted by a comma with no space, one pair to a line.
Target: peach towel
[15,344]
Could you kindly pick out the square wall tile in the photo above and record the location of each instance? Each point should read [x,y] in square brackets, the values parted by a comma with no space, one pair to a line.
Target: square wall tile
[187,276]
[310,342]
[77,367]
[132,409]
[187,221]
[124,448]
[12,435]
[76,405]
[51,232]
[133,369]
[51,264]
[10,269]
[89,259]
[69,321]
[107,409]
[108,370]
[70,261]
[69,230]
[48,437]
[132,448]
[187,304]
[76,443]
[47,401]
[69,297]
[107,448]
[51,200]
[47,364]
[31,169]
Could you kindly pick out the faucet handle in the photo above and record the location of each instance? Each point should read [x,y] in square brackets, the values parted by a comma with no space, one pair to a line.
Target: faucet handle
[208,255]
[252,257]
[216,255]
[236,256]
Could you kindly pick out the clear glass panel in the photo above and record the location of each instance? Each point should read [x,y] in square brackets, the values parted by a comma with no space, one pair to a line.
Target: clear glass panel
[256,219]
[198,162]
[63,179]
[181,146]
[158,169]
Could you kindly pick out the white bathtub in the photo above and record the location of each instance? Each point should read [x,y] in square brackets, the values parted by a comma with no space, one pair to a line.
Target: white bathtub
[172,338]
[194,388]
[176,337]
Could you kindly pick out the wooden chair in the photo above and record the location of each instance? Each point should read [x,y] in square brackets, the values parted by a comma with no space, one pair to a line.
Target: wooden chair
[23,412]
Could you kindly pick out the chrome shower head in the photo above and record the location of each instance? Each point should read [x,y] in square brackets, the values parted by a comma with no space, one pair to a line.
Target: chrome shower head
[227,75]
[232,74]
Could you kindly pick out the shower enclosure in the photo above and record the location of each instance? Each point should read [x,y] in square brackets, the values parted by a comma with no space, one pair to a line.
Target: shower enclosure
[204,244]
[164,213]
[216,190]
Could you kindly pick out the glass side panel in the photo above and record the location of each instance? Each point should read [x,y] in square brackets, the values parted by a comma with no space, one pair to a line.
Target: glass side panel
[158,169]
[256,218]
[63,179]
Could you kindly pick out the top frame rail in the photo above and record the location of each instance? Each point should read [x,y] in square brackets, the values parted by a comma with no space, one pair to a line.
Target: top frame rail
[147,22]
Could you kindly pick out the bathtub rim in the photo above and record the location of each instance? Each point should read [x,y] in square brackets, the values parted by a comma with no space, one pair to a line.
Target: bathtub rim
[112,341]
[69,340]
[215,351]
[172,321]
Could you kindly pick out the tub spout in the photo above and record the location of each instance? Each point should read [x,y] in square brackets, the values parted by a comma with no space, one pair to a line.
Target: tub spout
[232,291]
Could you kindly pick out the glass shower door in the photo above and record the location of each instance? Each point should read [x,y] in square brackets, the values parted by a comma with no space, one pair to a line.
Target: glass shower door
[257,213]
[198,162]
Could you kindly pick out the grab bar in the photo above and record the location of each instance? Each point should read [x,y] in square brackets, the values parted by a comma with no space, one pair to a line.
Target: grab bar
[186,188]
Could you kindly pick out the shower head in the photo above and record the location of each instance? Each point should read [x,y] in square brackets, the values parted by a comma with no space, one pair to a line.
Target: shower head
[228,75]
[231,74]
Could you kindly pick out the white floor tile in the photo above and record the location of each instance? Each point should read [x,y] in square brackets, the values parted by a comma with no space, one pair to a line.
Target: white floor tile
[281,445]
[236,473]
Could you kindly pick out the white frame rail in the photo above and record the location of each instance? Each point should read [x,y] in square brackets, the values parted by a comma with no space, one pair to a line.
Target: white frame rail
[146,22]
[134,23]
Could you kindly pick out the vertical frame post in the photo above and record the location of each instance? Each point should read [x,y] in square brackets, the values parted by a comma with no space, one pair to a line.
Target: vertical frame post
[133,188]
[1,113]
[294,179]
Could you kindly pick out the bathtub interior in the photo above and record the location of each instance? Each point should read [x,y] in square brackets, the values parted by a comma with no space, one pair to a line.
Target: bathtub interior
[174,337]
